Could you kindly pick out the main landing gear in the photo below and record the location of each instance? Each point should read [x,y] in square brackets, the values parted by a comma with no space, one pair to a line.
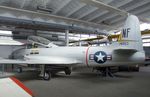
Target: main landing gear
[105,71]
[68,70]
[47,71]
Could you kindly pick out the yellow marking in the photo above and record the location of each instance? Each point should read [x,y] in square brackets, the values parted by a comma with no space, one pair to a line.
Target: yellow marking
[145,32]
[34,51]
[120,37]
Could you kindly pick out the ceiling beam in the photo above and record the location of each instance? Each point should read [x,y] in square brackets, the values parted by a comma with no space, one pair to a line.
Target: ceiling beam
[123,2]
[97,15]
[131,8]
[65,3]
[86,13]
[111,8]
[139,13]
[23,3]
[75,9]
[101,5]
[47,18]
[101,12]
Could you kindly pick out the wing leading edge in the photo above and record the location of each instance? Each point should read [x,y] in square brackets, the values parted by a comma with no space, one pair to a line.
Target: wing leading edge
[41,60]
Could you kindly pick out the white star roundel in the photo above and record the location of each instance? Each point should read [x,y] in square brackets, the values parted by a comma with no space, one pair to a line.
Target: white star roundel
[100,57]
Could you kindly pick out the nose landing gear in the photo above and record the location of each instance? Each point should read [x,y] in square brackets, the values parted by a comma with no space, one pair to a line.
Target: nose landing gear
[47,71]
[47,76]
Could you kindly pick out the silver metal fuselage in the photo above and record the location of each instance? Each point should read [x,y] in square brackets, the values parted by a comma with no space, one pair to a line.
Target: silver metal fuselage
[84,56]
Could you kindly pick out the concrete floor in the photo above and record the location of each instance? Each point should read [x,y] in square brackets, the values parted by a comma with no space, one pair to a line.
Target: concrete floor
[86,84]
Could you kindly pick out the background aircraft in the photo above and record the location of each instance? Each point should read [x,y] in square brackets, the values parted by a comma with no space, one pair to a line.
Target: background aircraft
[128,51]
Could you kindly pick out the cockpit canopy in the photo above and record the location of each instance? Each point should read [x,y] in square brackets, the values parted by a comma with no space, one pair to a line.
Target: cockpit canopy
[41,41]
[38,39]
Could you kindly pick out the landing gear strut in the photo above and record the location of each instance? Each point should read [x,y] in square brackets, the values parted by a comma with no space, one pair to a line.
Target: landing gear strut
[67,70]
[105,71]
[19,69]
[46,75]
[47,71]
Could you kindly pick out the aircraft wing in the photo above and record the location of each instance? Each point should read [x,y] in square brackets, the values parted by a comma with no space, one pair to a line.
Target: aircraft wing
[51,60]
[11,61]
[41,60]
[11,87]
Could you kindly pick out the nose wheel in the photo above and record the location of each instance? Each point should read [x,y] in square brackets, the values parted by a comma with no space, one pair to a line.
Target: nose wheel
[47,71]
[19,70]
[47,76]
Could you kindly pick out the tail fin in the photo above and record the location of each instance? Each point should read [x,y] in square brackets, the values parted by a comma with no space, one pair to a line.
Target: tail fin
[131,33]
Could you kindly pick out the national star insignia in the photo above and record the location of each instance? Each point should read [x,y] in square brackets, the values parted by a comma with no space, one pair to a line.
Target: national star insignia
[100,57]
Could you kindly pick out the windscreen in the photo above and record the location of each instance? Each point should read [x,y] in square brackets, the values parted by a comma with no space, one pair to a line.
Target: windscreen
[38,39]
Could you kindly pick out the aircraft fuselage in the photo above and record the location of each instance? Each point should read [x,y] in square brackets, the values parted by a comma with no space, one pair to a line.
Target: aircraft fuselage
[86,56]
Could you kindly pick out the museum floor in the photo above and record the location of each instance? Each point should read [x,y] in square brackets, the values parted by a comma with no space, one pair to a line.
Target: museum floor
[83,83]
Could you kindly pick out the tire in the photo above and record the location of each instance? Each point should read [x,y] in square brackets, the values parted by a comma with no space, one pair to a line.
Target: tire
[47,76]
[67,71]
[19,69]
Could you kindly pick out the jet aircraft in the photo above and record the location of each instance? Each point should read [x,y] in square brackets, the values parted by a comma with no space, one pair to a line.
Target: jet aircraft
[127,51]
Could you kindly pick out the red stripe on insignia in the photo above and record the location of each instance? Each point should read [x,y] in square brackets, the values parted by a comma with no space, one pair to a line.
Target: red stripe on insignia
[22,86]
[87,55]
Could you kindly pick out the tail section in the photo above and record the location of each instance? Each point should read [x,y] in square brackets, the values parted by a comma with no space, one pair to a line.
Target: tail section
[131,33]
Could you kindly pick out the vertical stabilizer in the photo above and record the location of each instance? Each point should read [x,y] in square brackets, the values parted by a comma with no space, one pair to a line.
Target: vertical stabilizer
[131,33]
